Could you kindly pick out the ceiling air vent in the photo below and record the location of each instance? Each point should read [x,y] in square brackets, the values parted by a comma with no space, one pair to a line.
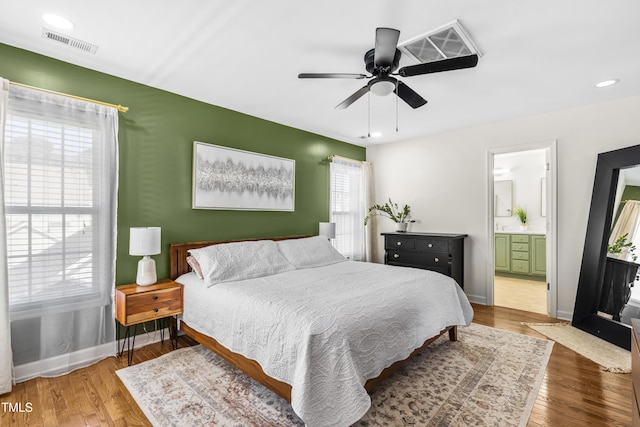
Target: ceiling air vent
[69,41]
[448,41]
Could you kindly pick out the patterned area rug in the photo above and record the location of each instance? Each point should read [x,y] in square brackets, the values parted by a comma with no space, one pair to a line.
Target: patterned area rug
[611,357]
[489,377]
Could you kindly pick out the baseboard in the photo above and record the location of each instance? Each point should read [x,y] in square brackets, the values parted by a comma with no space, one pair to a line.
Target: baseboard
[477,299]
[63,364]
[564,315]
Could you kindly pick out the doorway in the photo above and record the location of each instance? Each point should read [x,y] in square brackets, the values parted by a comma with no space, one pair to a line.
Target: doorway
[522,234]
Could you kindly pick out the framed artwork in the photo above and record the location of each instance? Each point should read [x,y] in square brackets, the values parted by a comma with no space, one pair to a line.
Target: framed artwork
[231,179]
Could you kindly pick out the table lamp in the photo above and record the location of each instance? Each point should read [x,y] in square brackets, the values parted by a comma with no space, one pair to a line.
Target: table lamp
[145,241]
[327,229]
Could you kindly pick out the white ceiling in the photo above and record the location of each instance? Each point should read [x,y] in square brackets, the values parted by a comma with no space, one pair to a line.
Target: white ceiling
[538,56]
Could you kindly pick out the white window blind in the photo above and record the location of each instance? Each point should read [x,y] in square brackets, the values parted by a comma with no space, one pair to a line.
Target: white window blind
[59,197]
[347,205]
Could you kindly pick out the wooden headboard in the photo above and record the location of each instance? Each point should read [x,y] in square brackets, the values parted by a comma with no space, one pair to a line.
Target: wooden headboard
[178,252]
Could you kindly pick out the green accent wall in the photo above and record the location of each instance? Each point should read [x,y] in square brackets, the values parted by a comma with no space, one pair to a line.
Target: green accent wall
[156,147]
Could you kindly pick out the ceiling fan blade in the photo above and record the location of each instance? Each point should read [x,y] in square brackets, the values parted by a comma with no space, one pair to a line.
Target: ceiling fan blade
[386,43]
[409,96]
[331,76]
[353,98]
[458,63]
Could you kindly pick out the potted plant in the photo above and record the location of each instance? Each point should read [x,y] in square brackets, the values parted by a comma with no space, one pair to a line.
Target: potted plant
[621,248]
[391,210]
[521,213]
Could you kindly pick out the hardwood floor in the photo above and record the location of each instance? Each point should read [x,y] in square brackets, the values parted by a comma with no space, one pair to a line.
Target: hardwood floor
[575,392]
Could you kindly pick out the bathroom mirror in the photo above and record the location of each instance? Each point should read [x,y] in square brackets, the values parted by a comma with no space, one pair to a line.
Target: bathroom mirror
[606,196]
[543,196]
[503,193]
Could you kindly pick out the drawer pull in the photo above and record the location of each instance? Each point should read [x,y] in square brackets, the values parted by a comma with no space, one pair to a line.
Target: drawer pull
[399,243]
[430,245]
[155,297]
[436,259]
[155,310]
[396,256]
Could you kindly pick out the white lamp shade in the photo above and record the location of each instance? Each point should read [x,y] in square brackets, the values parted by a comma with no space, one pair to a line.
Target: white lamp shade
[144,241]
[328,229]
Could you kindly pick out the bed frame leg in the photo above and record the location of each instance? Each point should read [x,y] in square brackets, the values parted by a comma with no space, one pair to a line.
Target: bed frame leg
[453,334]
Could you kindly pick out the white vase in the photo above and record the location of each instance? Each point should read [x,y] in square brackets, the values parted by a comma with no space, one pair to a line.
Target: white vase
[401,227]
[523,227]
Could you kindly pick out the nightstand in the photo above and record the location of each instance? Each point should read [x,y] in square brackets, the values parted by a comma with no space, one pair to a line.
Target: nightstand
[138,304]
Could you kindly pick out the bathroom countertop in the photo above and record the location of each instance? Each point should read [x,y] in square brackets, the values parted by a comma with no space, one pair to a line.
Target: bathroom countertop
[536,232]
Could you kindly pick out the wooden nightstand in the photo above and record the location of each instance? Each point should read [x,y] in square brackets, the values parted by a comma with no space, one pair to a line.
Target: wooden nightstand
[137,304]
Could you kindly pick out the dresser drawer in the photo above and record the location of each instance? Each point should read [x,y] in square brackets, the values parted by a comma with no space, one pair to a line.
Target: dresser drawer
[519,266]
[398,242]
[519,238]
[635,374]
[522,247]
[432,259]
[635,410]
[145,306]
[520,255]
[432,245]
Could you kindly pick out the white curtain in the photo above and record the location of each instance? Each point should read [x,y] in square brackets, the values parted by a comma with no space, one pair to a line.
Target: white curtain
[350,189]
[6,358]
[61,171]
[369,197]
[627,223]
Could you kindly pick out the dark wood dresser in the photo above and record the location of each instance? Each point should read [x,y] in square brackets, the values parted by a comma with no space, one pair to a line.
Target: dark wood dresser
[635,373]
[443,253]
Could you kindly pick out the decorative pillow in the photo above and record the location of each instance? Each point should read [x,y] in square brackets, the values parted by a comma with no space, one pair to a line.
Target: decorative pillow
[229,262]
[195,266]
[309,252]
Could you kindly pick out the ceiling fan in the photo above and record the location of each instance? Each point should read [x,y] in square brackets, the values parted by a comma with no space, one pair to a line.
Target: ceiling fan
[382,62]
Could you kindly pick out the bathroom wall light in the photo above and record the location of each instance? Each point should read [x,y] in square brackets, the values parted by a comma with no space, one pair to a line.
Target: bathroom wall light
[606,83]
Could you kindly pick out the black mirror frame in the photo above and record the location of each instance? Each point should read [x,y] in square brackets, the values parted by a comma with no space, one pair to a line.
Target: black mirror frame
[585,315]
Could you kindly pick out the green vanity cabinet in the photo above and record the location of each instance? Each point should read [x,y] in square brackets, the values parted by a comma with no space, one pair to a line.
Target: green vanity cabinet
[503,253]
[523,254]
[538,255]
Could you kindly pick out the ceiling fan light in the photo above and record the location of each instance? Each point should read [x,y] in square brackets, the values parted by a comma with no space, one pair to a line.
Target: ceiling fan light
[382,87]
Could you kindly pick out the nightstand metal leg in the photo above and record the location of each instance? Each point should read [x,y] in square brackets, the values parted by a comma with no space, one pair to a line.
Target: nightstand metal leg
[162,326]
[173,332]
[130,342]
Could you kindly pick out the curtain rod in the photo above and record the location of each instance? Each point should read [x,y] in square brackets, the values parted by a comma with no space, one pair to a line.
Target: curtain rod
[120,108]
[335,156]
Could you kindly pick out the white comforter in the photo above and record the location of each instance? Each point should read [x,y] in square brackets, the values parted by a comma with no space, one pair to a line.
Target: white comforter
[327,330]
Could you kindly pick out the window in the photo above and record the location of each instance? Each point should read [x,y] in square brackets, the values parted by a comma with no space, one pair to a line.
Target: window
[59,195]
[348,205]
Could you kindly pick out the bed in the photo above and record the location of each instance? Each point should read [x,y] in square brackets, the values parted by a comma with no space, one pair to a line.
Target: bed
[317,329]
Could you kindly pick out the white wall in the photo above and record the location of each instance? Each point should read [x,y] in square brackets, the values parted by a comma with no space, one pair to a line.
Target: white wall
[444,180]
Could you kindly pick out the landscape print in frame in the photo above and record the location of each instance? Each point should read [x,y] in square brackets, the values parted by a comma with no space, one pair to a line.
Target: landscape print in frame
[232,179]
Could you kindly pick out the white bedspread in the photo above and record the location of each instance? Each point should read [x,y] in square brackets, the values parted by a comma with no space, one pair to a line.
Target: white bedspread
[327,330]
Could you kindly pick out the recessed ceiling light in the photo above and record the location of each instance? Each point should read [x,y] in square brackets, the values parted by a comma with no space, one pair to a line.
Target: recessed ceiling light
[607,83]
[57,21]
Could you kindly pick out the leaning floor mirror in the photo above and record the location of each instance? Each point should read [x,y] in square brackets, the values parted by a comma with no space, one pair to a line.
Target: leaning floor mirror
[608,295]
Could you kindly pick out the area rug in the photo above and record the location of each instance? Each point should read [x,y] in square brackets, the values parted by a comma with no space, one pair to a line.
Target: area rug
[489,377]
[609,356]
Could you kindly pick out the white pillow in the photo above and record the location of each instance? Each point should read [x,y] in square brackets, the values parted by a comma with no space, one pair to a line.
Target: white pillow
[309,252]
[229,262]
